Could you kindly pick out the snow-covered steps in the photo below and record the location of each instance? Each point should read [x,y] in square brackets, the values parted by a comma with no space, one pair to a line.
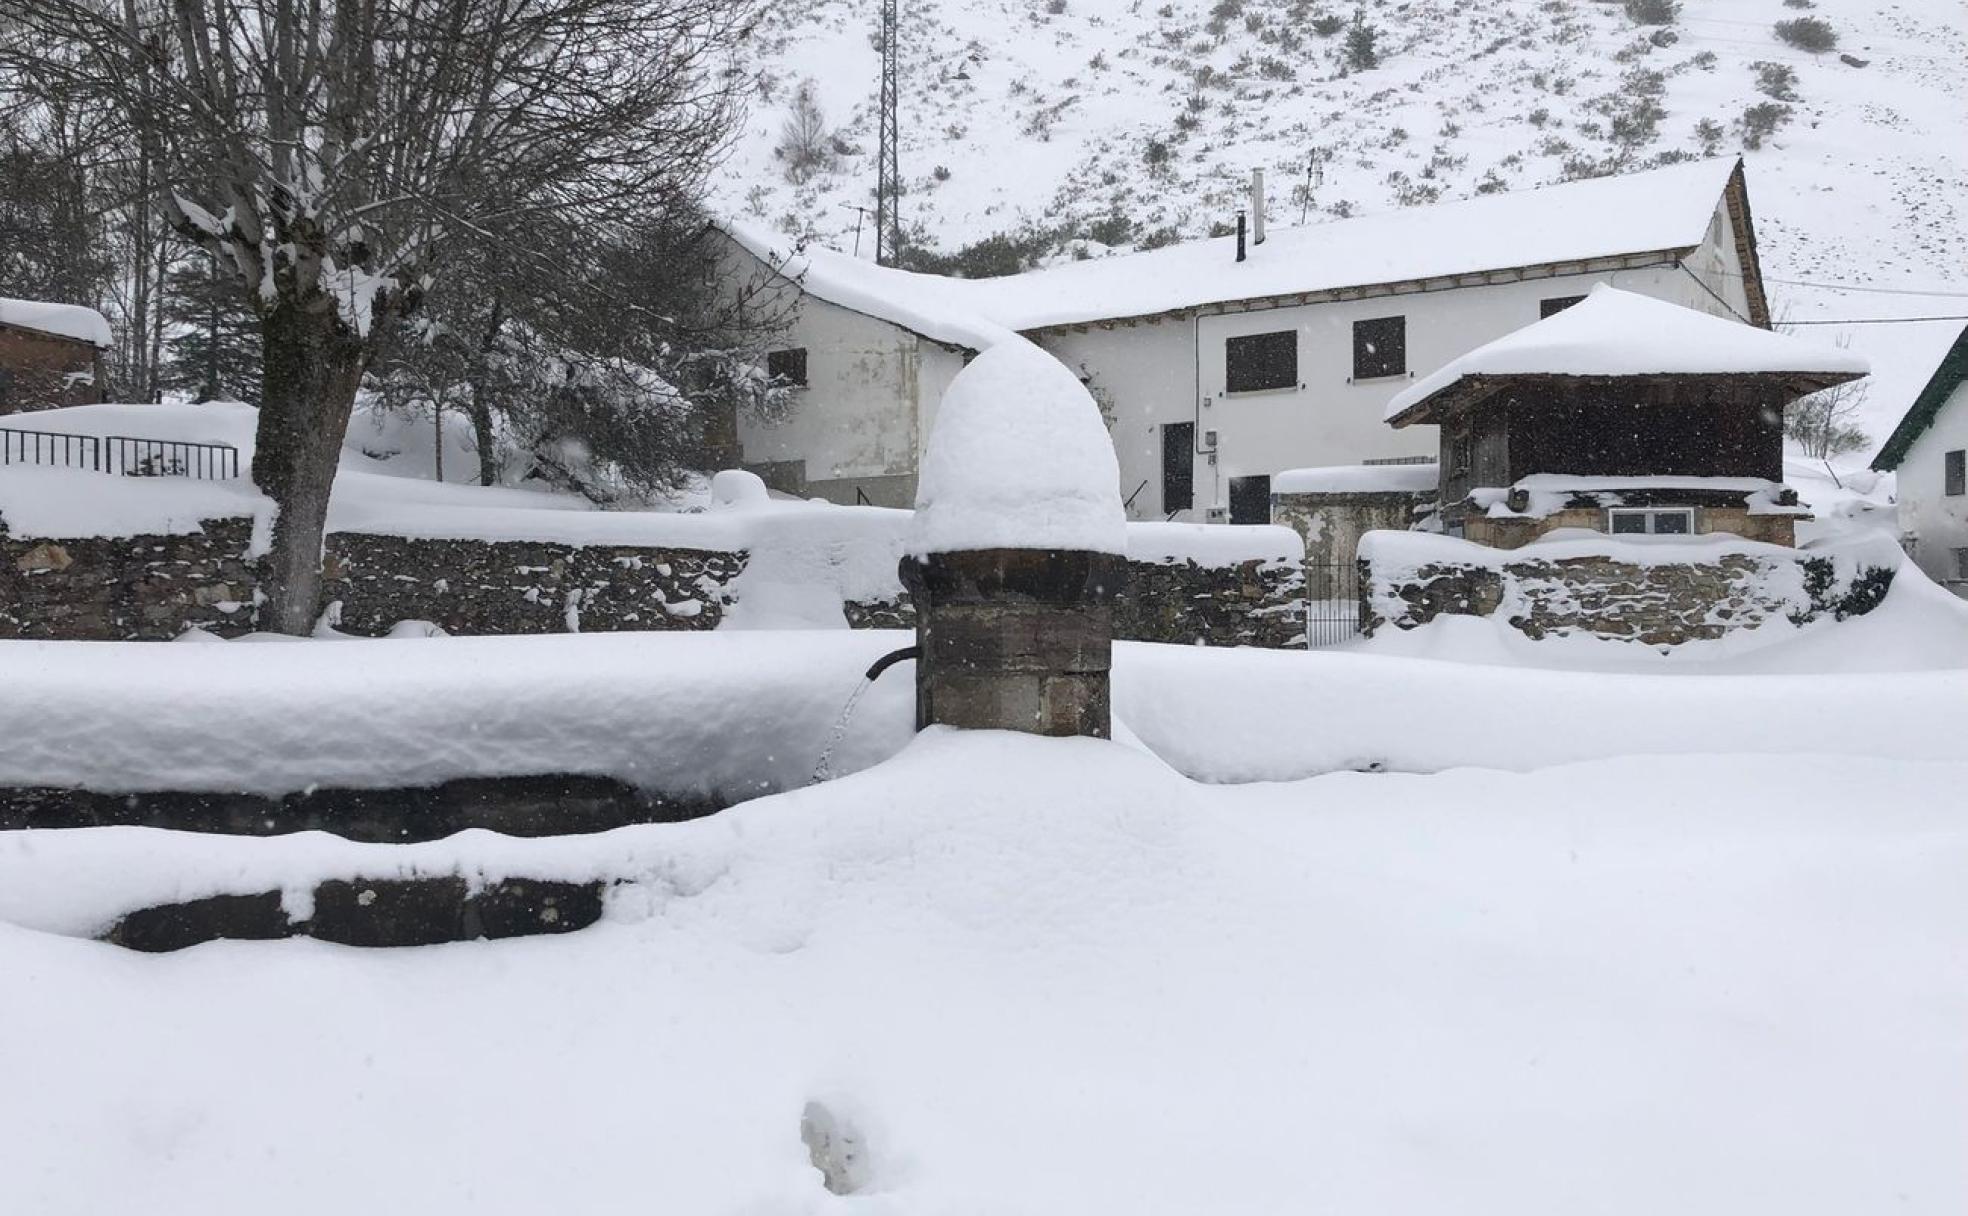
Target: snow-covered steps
[422,911]
[549,805]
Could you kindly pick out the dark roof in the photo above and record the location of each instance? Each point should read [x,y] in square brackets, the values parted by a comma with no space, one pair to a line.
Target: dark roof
[1920,415]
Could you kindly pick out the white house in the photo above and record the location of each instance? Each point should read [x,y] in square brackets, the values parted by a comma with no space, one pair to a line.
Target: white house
[1929,453]
[1218,372]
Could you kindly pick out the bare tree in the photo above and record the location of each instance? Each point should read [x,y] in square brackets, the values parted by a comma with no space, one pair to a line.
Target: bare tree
[1825,423]
[334,154]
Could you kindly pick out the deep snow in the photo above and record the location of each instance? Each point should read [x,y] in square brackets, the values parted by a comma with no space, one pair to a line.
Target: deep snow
[1053,977]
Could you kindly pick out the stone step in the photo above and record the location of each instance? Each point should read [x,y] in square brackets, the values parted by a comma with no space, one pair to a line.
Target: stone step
[552,804]
[371,912]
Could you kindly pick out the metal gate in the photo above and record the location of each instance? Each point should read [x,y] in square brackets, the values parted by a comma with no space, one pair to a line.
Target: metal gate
[1332,603]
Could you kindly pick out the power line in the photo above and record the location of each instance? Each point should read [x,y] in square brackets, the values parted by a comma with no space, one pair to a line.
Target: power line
[1876,291]
[1876,321]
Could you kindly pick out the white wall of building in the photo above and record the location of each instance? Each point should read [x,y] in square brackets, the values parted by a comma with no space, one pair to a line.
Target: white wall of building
[1936,522]
[1173,371]
[872,388]
[874,385]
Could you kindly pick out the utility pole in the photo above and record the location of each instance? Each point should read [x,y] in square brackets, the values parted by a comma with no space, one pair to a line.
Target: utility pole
[888,182]
[860,216]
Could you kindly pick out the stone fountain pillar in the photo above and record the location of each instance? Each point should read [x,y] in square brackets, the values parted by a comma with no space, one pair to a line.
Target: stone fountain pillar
[1017,552]
[1015,639]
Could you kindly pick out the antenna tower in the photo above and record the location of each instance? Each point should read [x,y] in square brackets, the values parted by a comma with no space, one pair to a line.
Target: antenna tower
[888,184]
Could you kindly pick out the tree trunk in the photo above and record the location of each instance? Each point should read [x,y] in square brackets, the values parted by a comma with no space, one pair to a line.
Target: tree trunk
[313,367]
[481,420]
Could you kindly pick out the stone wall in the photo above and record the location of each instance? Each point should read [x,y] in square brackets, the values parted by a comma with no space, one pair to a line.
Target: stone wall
[1251,603]
[156,587]
[1654,602]
[128,588]
[1332,523]
[492,587]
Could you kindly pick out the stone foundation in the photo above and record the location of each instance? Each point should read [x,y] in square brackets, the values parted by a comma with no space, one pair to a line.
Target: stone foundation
[1656,603]
[1512,533]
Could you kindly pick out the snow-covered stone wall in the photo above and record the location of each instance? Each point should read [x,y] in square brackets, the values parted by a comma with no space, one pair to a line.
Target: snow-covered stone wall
[136,587]
[481,587]
[1216,586]
[1659,594]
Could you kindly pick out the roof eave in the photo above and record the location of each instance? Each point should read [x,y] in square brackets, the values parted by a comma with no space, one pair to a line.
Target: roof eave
[1948,375]
[1329,295]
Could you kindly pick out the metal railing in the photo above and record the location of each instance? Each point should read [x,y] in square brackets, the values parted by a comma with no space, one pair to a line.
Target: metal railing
[133,456]
[129,455]
[1332,603]
[50,448]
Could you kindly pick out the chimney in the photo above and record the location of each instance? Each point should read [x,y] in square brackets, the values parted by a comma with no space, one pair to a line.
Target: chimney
[1240,236]
[1257,206]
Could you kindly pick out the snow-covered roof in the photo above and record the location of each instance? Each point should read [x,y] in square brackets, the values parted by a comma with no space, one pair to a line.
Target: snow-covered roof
[1018,459]
[1618,333]
[1359,479]
[62,320]
[1664,209]
[938,308]
[1658,211]
[1549,493]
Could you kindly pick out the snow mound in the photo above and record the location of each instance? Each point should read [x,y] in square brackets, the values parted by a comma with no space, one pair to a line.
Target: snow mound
[734,488]
[62,320]
[1018,459]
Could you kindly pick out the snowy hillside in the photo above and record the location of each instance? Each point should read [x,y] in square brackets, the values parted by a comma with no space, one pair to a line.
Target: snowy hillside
[1122,121]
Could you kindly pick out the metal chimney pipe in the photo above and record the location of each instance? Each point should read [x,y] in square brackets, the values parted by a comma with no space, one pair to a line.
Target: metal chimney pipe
[1257,206]
[1240,236]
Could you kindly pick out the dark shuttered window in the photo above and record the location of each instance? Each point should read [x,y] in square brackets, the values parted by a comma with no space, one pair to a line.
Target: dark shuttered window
[1380,347]
[787,366]
[1255,362]
[1954,472]
[1178,466]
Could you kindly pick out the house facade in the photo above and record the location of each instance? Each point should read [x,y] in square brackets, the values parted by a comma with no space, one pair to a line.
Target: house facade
[1216,372]
[50,355]
[1928,452]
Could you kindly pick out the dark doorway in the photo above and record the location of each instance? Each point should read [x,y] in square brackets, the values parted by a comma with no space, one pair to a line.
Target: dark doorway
[1178,466]
[1250,500]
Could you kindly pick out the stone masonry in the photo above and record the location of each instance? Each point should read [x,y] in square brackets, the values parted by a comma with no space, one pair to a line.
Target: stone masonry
[1660,604]
[156,587]
[493,587]
[128,588]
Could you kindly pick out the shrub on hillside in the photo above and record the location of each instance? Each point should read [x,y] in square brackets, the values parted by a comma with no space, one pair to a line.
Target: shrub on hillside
[1812,34]
[1652,12]
[1326,25]
[805,144]
[1709,133]
[1361,54]
[1777,80]
[1760,121]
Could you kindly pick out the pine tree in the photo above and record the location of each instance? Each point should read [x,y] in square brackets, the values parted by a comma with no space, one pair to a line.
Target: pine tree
[213,353]
[1360,52]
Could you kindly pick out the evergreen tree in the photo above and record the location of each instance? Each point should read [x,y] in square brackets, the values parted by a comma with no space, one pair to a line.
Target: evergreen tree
[213,353]
[1360,52]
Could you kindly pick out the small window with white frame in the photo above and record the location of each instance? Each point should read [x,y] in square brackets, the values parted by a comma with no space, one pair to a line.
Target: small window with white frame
[1650,521]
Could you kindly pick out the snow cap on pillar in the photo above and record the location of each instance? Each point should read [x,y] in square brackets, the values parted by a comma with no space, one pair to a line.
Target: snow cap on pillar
[1018,459]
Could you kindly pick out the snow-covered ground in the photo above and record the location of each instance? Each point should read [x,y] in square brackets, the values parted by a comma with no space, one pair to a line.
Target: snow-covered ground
[1055,977]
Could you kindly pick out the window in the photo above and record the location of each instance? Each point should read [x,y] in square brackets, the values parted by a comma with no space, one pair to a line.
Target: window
[1651,521]
[1954,473]
[1961,563]
[1255,362]
[1178,466]
[1250,500]
[1380,347]
[1556,305]
[787,366]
